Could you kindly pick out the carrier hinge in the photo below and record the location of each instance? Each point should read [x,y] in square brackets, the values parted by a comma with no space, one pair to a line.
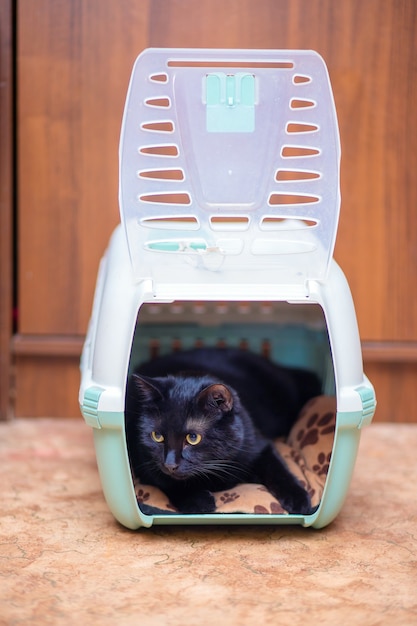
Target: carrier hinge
[368,399]
[89,408]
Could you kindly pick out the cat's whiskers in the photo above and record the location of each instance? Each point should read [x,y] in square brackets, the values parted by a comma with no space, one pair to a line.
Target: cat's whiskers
[221,469]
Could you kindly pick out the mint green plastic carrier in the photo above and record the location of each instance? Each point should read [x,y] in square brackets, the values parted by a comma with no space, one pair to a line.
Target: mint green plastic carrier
[229,203]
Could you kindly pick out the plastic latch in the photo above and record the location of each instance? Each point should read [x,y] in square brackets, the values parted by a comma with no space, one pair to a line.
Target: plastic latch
[230,101]
[367,396]
[89,407]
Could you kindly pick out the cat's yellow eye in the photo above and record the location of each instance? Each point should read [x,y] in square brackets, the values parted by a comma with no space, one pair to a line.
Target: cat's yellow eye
[193,439]
[157,436]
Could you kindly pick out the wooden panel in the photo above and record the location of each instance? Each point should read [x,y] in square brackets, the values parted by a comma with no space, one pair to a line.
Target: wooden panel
[74,62]
[389,352]
[48,345]
[46,386]
[6,202]
[395,385]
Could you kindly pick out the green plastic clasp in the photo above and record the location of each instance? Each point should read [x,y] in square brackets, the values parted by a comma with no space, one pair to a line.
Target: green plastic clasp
[230,100]
[89,408]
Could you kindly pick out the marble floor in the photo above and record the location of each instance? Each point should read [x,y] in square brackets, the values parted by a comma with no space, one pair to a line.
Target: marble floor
[64,560]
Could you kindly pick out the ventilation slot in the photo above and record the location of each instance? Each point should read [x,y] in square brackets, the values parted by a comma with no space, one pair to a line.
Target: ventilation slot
[284,223]
[298,151]
[165,150]
[171,223]
[158,102]
[294,175]
[295,127]
[159,78]
[291,199]
[158,127]
[163,174]
[232,223]
[301,103]
[279,65]
[166,198]
[300,79]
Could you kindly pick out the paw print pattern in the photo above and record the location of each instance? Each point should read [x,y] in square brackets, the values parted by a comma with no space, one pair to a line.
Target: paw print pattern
[322,466]
[142,496]
[274,508]
[260,510]
[316,425]
[227,497]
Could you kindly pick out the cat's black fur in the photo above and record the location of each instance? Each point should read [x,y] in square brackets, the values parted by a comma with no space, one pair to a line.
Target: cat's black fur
[236,406]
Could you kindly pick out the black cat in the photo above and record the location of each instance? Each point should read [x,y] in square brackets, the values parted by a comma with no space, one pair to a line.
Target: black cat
[191,433]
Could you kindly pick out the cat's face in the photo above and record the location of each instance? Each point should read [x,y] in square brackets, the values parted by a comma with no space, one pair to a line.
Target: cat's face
[190,426]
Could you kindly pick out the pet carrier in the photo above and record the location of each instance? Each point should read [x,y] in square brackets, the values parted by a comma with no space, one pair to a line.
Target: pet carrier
[229,202]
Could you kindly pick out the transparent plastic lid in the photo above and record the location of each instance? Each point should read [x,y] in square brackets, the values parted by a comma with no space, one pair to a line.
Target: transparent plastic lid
[229,161]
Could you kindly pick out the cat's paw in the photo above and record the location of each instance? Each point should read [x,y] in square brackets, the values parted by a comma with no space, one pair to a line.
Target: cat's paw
[297,502]
[197,502]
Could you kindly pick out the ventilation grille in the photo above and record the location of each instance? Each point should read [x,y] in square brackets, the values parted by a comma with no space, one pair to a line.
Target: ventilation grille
[282,178]
[161,159]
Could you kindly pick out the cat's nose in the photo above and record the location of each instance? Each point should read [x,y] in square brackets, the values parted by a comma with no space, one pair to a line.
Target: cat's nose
[170,463]
[171,467]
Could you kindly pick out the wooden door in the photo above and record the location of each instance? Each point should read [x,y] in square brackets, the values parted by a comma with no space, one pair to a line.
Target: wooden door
[73,65]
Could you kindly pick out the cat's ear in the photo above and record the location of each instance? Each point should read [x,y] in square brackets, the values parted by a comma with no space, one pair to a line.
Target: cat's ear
[146,388]
[216,396]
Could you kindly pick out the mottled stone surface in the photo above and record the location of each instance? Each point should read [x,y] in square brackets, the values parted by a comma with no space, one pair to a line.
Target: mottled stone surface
[64,560]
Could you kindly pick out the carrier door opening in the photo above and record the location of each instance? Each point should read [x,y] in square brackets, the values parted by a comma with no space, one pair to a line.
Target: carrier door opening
[204,379]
